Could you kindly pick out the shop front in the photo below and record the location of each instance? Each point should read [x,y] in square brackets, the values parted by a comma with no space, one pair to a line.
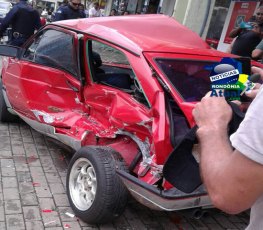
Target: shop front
[143,6]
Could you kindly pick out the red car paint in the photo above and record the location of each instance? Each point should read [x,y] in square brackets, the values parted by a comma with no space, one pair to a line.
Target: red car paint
[82,112]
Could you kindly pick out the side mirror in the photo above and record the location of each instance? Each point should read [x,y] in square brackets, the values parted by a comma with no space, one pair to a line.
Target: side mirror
[9,51]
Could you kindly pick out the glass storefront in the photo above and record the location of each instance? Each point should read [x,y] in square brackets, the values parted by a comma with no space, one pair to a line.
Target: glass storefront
[136,6]
[217,22]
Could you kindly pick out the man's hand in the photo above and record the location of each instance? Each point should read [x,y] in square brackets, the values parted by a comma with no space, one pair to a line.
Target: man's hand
[253,93]
[212,113]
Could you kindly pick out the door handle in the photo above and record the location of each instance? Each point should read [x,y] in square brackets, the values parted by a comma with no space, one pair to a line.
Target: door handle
[75,89]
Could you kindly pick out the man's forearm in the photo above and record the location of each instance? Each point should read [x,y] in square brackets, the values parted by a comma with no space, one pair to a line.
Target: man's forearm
[216,167]
[235,32]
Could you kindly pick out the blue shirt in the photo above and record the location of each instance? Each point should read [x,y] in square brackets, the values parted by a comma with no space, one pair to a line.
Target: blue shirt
[23,19]
[66,12]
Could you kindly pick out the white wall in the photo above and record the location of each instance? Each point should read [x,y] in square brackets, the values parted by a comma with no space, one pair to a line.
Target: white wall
[193,14]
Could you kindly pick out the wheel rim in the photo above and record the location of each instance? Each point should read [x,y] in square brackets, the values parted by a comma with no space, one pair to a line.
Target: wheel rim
[82,184]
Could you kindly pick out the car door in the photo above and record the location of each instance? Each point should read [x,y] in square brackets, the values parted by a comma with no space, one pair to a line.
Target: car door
[47,83]
[110,94]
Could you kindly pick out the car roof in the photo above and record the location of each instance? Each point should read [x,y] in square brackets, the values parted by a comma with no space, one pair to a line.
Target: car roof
[138,33]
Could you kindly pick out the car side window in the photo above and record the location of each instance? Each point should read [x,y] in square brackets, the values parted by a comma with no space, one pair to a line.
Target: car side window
[110,66]
[55,49]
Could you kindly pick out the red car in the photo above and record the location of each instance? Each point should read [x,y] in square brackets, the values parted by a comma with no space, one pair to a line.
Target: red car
[118,90]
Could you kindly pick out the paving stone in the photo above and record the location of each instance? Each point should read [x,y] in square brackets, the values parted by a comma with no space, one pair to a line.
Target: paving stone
[26,187]
[46,203]
[54,228]
[109,226]
[23,177]
[15,222]
[53,177]
[240,225]
[9,182]
[2,212]
[30,149]
[18,150]
[4,133]
[66,218]
[43,191]
[63,177]
[121,223]
[14,129]
[13,207]
[5,154]
[214,226]
[34,225]
[2,226]
[31,213]
[61,200]
[167,224]
[42,150]
[5,144]
[11,193]
[47,164]
[36,171]
[22,167]
[8,172]
[32,161]
[57,188]
[7,163]
[27,139]
[28,199]
[134,220]
[51,219]
[71,225]
[223,221]
[95,228]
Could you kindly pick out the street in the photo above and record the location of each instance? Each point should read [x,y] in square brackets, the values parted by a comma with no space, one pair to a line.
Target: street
[33,196]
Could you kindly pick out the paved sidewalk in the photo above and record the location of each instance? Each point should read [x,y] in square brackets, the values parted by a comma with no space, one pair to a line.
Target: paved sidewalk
[32,191]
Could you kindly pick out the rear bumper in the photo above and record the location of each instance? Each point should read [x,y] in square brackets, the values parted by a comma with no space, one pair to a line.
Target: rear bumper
[168,200]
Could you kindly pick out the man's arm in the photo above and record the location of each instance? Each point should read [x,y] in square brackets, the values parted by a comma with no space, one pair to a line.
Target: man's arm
[234,182]
[235,32]
[258,51]
[257,54]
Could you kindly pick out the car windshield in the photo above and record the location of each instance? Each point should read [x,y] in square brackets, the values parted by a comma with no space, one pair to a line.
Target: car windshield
[188,77]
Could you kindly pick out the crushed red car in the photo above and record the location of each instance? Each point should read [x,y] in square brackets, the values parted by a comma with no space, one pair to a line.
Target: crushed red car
[118,90]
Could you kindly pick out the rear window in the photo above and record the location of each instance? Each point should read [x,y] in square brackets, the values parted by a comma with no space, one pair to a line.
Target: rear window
[188,77]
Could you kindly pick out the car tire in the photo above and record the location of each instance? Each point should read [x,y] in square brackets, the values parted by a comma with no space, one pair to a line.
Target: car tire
[95,192]
[5,115]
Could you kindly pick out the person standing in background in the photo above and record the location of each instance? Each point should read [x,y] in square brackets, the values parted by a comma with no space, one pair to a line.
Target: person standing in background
[70,11]
[247,36]
[247,41]
[24,20]
[82,10]
[95,10]
[113,12]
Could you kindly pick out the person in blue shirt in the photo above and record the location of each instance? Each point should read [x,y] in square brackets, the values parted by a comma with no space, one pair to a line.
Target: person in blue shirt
[24,20]
[70,11]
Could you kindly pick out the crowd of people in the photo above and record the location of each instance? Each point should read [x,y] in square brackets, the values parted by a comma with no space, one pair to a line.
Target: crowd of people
[72,9]
[25,20]
[247,38]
